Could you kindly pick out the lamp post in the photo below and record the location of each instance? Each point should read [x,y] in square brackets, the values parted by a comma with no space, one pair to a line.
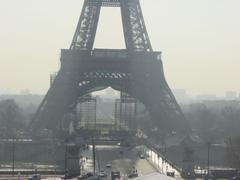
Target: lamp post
[13,156]
[208,158]
[65,162]
[94,156]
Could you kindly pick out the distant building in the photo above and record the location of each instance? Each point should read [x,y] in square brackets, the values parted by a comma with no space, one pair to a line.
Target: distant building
[218,105]
[109,93]
[231,95]
[25,92]
[206,97]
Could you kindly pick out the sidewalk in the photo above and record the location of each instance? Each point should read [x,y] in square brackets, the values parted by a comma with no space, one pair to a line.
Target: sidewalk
[86,162]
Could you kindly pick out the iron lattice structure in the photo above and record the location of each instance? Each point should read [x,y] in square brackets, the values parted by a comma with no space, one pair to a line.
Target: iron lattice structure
[135,33]
[136,70]
[125,112]
[86,113]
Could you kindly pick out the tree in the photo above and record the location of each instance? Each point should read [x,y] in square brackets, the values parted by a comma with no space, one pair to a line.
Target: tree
[232,120]
[233,152]
[203,121]
[10,117]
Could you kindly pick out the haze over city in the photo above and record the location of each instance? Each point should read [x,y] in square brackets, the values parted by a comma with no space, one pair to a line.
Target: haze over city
[154,95]
[200,41]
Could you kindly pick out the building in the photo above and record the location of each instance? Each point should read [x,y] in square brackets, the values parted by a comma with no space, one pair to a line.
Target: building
[231,95]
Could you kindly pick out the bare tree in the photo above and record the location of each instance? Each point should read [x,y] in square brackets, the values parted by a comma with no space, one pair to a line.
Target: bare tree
[10,117]
[203,121]
[232,120]
[233,152]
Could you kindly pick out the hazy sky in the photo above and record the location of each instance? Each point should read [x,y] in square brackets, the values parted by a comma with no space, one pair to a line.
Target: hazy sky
[199,39]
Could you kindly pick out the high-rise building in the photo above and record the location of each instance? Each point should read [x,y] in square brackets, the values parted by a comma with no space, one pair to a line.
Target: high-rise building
[209,97]
[238,96]
[231,95]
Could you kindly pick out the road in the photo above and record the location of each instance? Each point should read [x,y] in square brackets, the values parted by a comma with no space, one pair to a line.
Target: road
[123,159]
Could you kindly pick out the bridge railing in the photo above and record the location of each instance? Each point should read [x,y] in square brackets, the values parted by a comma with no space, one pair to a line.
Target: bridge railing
[152,147]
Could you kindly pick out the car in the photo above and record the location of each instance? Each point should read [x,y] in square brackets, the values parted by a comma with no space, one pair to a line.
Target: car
[108,165]
[102,174]
[235,178]
[82,177]
[35,177]
[85,176]
[171,174]
[142,156]
[90,174]
[68,176]
[115,175]
[132,175]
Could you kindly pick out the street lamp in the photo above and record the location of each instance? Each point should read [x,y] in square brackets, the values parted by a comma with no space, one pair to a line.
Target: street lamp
[13,156]
[208,158]
[65,163]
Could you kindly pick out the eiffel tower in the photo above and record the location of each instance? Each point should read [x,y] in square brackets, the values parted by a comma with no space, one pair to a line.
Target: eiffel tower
[136,70]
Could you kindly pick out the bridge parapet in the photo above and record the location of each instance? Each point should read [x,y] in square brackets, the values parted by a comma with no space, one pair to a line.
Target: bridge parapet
[153,148]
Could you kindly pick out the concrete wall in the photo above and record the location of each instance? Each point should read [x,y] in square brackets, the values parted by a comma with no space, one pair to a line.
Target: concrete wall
[32,152]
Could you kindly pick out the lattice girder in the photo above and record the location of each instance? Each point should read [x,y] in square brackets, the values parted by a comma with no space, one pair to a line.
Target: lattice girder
[142,78]
[135,33]
[136,71]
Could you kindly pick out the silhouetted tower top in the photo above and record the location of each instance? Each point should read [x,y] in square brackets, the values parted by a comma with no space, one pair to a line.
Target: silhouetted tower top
[135,33]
